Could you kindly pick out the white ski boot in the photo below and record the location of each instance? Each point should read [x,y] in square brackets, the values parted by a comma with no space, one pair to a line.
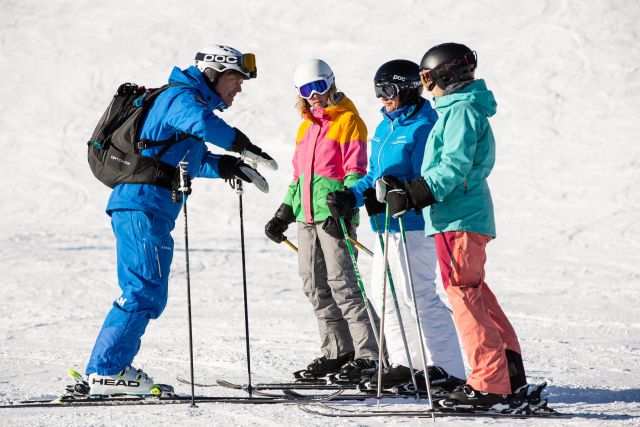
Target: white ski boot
[129,381]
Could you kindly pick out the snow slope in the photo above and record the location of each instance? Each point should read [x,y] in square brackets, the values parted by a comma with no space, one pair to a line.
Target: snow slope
[565,266]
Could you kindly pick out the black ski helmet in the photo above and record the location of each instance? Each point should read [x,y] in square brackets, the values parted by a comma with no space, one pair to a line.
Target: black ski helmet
[449,63]
[405,75]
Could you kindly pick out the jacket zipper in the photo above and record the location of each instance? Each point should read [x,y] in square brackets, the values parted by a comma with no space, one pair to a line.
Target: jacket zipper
[382,146]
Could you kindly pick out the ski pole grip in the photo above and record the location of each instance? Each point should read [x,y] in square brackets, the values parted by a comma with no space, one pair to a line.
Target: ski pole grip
[185,182]
[238,187]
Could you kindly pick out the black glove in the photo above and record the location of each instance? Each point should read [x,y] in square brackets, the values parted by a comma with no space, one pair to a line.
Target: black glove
[251,152]
[371,203]
[401,198]
[341,203]
[332,227]
[420,193]
[277,225]
[396,196]
[230,167]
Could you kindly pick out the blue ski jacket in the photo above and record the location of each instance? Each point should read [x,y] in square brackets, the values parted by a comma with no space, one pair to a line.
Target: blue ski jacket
[397,148]
[460,155]
[182,109]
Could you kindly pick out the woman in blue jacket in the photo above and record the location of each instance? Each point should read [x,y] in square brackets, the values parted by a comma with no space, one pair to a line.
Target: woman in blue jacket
[143,215]
[397,148]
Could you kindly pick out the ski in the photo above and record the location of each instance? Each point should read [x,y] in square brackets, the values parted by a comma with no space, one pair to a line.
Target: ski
[67,401]
[337,394]
[77,394]
[142,400]
[331,411]
[271,386]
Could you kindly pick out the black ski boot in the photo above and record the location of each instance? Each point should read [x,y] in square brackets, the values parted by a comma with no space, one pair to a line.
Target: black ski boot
[438,379]
[357,370]
[467,398]
[517,376]
[391,377]
[322,367]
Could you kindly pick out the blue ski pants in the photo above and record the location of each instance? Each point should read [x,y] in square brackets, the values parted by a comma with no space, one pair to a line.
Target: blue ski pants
[144,252]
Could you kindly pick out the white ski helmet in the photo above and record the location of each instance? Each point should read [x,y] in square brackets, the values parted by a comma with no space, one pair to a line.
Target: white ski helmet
[313,70]
[223,58]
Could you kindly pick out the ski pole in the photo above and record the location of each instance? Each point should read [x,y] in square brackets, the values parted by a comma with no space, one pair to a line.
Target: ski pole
[385,267]
[239,191]
[354,241]
[367,305]
[361,246]
[392,288]
[291,245]
[185,187]
[415,307]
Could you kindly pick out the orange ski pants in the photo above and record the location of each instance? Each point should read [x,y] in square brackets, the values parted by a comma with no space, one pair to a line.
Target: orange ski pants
[484,329]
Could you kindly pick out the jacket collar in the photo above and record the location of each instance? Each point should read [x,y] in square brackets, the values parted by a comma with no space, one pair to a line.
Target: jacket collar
[405,116]
[342,106]
[194,78]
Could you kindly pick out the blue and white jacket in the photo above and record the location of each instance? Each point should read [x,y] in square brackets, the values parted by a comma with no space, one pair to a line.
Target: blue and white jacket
[397,148]
[182,109]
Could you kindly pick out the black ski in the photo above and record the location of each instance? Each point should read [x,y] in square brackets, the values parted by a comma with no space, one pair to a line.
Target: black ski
[139,400]
[288,389]
[331,411]
[338,394]
[272,386]
[170,400]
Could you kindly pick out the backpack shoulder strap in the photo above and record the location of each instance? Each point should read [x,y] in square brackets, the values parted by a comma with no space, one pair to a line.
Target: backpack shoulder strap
[167,143]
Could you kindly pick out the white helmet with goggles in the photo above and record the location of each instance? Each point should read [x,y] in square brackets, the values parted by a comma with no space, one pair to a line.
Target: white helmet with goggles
[313,76]
[224,58]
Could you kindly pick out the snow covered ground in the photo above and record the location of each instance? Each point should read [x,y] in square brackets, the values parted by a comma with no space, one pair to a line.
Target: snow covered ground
[566,265]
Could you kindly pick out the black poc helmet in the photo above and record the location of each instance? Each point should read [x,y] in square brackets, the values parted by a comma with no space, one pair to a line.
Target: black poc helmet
[399,77]
[449,63]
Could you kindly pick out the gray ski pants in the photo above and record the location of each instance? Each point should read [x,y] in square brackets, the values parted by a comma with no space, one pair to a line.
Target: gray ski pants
[330,283]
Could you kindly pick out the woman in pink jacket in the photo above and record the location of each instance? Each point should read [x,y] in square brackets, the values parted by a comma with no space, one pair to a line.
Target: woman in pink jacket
[330,153]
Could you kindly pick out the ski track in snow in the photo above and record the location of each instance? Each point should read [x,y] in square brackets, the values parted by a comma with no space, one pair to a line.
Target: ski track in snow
[565,187]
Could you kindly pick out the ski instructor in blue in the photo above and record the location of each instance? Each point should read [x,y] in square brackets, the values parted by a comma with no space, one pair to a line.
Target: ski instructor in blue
[143,215]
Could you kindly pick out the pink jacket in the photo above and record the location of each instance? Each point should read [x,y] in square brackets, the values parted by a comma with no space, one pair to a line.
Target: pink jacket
[330,153]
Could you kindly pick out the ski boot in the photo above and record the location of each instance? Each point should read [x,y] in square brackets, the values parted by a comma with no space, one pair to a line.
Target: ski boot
[439,380]
[355,371]
[399,379]
[129,381]
[467,399]
[321,367]
[392,378]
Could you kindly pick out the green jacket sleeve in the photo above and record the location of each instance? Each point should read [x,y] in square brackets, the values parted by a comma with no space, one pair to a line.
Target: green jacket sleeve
[288,198]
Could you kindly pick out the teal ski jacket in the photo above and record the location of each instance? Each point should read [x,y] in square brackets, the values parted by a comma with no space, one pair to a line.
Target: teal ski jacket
[458,158]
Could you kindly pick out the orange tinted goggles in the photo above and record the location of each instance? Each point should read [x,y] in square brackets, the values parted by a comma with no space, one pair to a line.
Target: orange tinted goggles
[428,78]
[248,63]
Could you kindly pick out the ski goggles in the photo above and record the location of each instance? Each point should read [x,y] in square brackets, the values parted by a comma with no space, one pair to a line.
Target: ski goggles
[428,78]
[319,86]
[386,90]
[245,62]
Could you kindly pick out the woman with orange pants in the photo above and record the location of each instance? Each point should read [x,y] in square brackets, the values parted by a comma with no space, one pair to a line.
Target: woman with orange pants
[458,211]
